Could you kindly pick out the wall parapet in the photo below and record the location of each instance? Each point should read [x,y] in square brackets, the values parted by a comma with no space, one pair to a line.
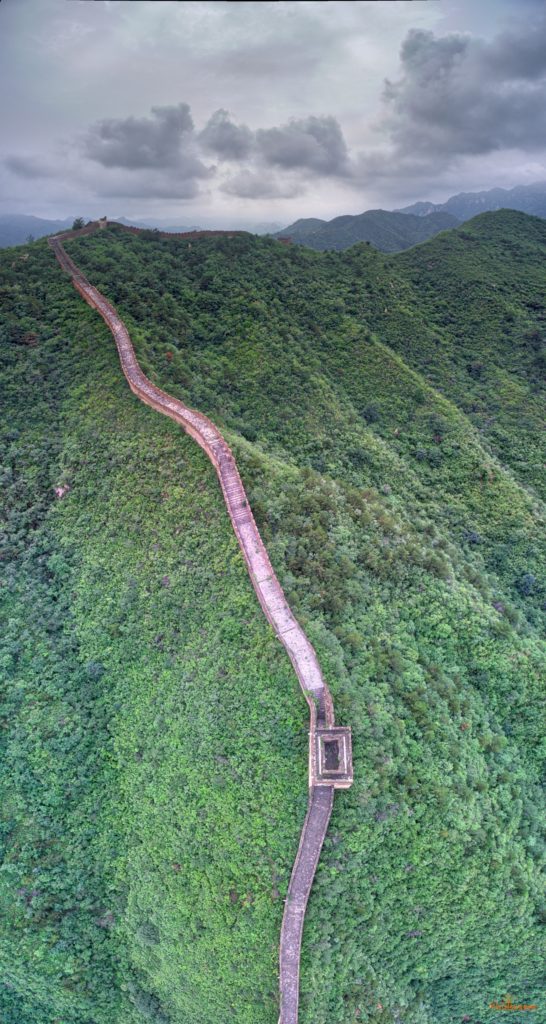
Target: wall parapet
[322,779]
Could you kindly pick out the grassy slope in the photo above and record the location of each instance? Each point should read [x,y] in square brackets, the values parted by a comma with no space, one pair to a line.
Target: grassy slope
[409,551]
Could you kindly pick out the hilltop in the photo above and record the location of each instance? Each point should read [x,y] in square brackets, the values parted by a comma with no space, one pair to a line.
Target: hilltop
[387,415]
[465,205]
[385,230]
[393,231]
[17,228]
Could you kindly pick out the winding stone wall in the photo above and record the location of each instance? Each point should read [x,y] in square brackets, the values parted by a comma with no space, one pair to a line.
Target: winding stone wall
[274,605]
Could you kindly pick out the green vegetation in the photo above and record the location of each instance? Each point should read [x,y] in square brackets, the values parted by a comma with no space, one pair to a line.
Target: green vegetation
[387,230]
[385,415]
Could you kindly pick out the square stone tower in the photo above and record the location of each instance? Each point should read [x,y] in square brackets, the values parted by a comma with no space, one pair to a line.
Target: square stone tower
[330,758]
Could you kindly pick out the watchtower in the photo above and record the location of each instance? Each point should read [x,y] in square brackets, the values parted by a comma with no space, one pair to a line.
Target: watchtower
[103,222]
[330,758]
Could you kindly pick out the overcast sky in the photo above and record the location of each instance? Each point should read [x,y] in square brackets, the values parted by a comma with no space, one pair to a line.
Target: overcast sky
[240,113]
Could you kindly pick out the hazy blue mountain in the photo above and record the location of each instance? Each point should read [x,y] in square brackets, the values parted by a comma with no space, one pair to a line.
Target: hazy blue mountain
[525,198]
[16,227]
[385,230]
[301,229]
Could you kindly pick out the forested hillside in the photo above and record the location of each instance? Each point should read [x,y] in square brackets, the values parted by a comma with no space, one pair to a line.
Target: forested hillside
[387,416]
[387,230]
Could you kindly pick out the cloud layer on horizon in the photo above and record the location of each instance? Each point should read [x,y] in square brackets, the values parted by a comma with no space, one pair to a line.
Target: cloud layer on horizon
[455,102]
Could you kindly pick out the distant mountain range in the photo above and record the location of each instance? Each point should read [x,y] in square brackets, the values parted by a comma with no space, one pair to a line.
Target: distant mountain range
[384,229]
[400,229]
[15,228]
[387,230]
[525,198]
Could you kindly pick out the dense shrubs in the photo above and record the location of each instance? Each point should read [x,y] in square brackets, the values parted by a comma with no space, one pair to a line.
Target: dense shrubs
[156,737]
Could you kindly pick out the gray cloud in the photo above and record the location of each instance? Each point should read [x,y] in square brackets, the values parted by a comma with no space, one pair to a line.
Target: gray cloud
[311,143]
[272,161]
[520,54]
[158,155]
[163,157]
[163,140]
[261,185]
[228,140]
[461,96]
[459,111]
[29,167]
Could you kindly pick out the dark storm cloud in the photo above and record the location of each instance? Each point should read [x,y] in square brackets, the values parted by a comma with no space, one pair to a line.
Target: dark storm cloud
[312,143]
[163,140]
[227,140]
[461,96]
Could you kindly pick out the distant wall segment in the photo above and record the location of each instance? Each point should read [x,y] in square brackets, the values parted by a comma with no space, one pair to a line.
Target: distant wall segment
[326,773]
[95,225]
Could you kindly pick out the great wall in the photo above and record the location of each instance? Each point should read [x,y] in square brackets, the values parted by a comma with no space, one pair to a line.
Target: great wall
[330,760]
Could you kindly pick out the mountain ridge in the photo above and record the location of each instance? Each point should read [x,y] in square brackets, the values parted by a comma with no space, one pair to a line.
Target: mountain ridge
[15,228]
[529,199]
[388,231]
[385,414]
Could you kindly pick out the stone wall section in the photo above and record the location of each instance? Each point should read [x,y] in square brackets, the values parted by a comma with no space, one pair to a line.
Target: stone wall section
[272,600]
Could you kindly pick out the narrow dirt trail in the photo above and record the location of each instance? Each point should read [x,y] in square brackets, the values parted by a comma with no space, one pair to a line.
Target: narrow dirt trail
[323,778]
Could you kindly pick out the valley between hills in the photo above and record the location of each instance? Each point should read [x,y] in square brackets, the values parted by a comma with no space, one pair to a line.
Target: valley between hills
[387,414]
